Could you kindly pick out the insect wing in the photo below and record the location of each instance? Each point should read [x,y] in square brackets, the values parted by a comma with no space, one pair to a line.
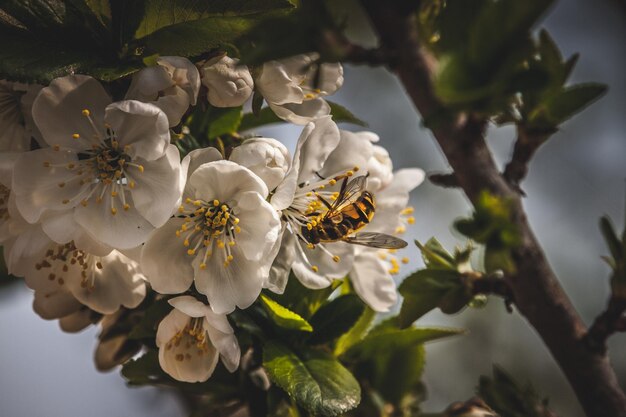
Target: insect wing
[376,240]
[350,193]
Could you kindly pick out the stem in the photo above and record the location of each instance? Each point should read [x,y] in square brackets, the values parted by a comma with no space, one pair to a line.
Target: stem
[536,290]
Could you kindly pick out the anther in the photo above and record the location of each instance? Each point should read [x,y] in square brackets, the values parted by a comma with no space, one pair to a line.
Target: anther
[336,258]
[191,252]
[315,268]
[216,203]
[86,113]
[113,211]
[76,136]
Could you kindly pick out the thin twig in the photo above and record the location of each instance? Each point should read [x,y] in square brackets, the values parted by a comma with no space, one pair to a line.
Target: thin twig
[444,180]
[525,147]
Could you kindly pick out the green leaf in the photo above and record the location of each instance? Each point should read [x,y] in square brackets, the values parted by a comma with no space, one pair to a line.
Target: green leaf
[563,105]
[342,115]
[300,299]
[162,13]
[147,326]
[284,317]
[143,370]
[392,360]
[425,290]
[315,380]
[435,256]
[356,333]
[335,318]
[267,117]
[57,38]
[508,398]
[378,342]
[500,27]
[196,37]
[224,121]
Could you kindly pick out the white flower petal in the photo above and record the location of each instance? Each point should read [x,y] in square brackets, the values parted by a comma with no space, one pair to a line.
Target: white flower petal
[201,156]
[124,230]
[158,188]
[302,113]
[283,253]
[39,187]
[7,162]
[181,362]
[142,129]
[54,305]
[315,143]
[147,83]
[118,283]
[266,157]
[228,84]
[184,74]
[226,344]
[165,262]
[57,111]
[352,151]
[372,282]
[224,181]
[190,306]
[316,148]
[259,224]
[226,287]
[327,269]
[275,81]
[77,321]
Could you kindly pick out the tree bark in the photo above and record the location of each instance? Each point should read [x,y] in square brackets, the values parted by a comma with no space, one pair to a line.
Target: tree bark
[536,290]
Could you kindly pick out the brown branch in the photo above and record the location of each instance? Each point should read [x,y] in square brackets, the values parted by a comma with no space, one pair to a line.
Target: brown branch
[538,294]
[612,320]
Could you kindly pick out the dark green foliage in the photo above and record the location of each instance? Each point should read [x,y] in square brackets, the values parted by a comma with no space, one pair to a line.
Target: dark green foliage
[509,399]
[108,39]
[335,318]
[284,317]
[266,117]
[315,380]
[441,284]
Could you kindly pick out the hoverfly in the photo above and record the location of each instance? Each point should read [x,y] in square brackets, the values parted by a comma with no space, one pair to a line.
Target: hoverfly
[351,211]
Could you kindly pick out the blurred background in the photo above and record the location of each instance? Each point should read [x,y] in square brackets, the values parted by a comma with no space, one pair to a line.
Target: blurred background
[578,176]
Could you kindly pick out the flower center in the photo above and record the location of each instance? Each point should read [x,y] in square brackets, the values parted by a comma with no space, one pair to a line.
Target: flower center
[65,260]
[192,336]
[209,225]
[309,206]
[104,171]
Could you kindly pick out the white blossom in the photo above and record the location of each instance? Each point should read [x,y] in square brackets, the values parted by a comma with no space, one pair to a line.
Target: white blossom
[16,127]
[373,269]
[191,339]
[220,239]
[228,83]
[172,85]
[289,88]
[103,282]
[266,157]
[298,197]
[109,167]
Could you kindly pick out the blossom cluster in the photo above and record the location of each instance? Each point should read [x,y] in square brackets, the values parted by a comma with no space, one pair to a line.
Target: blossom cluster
[98,209]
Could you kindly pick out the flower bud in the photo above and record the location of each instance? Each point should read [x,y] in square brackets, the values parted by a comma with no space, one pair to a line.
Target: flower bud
[267,158]
[228,84]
